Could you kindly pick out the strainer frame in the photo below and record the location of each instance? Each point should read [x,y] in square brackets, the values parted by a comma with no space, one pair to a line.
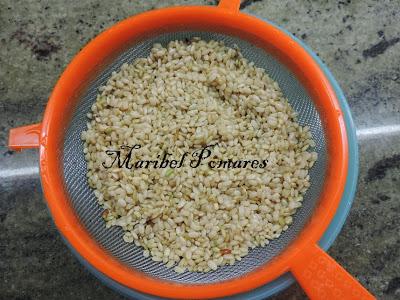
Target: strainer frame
[294,56]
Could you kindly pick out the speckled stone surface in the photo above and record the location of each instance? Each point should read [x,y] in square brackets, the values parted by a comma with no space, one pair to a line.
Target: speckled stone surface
[358,40]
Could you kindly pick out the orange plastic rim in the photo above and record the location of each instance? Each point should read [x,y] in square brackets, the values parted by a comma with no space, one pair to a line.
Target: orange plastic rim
[101,48]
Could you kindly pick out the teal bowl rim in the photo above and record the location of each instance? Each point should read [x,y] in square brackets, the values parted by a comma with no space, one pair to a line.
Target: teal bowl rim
[330,234]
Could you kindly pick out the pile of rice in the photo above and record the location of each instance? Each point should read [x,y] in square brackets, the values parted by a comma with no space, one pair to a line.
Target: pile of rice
[179,99]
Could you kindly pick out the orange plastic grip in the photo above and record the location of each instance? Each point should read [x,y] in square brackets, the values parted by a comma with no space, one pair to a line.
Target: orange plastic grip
[232,5]
[24,137]
[322,278]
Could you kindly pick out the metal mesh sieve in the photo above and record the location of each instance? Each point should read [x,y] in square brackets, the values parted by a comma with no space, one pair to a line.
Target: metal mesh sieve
[89,212]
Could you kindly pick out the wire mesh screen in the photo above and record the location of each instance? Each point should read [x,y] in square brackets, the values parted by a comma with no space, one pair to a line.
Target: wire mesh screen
[89,212]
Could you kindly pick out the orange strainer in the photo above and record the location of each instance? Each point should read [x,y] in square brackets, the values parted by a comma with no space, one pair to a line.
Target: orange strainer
[74,206]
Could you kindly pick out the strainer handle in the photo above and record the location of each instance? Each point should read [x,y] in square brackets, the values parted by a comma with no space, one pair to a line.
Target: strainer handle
[232,5]
[322,277]
[24,137]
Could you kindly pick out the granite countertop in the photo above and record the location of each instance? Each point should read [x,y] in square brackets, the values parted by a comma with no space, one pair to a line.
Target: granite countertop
[358,40]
